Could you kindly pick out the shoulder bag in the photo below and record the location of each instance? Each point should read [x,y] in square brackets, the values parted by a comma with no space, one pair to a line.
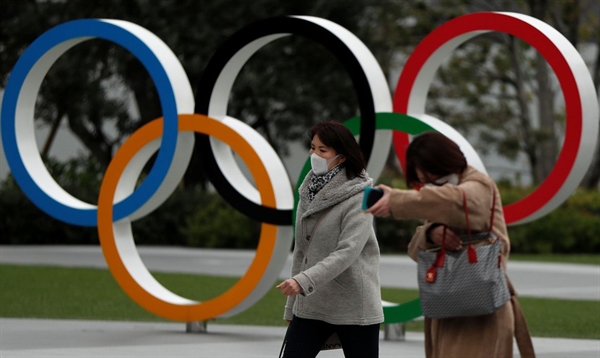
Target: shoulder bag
[463,283]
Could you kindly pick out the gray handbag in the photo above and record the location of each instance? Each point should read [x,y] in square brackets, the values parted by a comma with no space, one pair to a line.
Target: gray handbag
[463,283]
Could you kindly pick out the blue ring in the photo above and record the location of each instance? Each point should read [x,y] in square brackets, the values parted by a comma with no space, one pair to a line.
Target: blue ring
[43,44]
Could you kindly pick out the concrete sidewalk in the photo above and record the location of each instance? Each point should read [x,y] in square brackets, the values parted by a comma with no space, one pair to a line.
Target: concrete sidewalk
[41,338]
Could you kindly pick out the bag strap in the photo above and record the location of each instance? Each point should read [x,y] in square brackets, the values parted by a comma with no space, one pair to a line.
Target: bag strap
[284,342]
[493,210]
[439,260]
[521,331]
[431,274]
[471,250]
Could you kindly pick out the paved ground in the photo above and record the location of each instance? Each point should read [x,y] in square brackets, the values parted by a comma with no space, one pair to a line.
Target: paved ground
[39,338]
[86,339]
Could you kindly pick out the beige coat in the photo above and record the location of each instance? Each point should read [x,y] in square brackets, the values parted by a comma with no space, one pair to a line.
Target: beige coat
[482,336]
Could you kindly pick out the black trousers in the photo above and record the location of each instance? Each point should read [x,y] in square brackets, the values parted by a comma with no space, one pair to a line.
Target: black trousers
[305,338]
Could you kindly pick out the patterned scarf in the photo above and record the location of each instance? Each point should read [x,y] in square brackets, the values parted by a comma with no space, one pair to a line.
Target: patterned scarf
[317,182]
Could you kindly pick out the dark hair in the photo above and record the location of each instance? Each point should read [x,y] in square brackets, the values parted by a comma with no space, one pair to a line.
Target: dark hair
[337,136]
[433,154]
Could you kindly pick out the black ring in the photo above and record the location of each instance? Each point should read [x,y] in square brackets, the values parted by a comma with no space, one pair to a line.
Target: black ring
[259,29]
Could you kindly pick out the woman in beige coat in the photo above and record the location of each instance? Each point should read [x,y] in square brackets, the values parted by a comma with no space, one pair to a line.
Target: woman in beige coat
[436,165]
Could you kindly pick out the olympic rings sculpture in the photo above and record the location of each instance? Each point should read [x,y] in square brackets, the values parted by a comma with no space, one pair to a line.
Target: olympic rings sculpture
[272,199]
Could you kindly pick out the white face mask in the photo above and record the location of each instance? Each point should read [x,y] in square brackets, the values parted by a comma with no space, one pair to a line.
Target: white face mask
[449,179]
[320,165]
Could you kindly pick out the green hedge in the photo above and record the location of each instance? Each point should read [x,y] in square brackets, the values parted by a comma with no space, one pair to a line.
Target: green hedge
[197,218]
[22,223]
[574,227]
[188,218]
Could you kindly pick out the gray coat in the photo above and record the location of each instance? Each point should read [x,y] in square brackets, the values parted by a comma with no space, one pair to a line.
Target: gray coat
[339,271]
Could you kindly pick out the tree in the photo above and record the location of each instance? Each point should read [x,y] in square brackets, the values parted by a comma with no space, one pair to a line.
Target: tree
[292,83]
[281,92]
[76,88]
[498,82]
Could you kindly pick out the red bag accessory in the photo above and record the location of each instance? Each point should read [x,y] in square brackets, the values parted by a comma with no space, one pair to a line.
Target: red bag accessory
[439,260]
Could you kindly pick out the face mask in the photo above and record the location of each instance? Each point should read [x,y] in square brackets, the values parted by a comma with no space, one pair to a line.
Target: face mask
[450,179]
[320,165]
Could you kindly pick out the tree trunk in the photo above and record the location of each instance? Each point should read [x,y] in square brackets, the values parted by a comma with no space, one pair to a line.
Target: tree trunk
[592,179]
[52,134]
[101,150]
[526,134]
[548,147]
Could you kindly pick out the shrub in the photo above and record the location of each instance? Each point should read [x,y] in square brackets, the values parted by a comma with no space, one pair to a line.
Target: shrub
[22,223]
[574,227]
[216,224]
[198,218]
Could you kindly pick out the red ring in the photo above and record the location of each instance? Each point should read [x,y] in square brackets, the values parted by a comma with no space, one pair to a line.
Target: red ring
[489,21]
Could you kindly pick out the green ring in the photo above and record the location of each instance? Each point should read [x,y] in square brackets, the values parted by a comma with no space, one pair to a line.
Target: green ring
[401,312]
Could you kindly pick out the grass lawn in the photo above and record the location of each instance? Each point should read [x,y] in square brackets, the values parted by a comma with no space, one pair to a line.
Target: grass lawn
[84,293]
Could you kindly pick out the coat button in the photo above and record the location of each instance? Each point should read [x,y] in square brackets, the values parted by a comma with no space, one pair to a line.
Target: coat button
[310,289]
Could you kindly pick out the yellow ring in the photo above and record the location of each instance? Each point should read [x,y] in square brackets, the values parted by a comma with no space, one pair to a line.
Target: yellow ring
[237,293]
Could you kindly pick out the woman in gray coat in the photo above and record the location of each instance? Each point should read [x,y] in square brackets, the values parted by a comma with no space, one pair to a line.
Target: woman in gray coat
[334,286]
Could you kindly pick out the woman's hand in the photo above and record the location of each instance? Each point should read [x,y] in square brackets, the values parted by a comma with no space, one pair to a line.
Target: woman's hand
[289,287]
[382,206]
[453,242]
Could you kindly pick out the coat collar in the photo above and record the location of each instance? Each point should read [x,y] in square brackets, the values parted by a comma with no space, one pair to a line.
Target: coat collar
[471,173]
[337,190]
